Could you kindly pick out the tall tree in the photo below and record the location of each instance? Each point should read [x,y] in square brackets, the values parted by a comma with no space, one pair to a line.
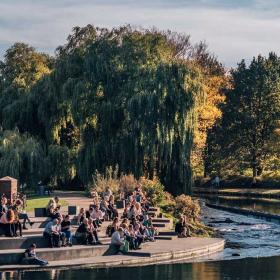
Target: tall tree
[251,114]
[21,69]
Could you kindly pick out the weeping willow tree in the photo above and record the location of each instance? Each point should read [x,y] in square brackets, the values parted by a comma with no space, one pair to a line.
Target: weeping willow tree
[121,97]
[134,102]
[21,157]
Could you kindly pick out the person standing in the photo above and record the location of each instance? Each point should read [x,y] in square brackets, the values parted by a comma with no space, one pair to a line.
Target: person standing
[217,181]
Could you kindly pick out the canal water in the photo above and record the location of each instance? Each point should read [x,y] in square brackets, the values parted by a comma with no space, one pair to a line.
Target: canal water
[271,206]
[252,252]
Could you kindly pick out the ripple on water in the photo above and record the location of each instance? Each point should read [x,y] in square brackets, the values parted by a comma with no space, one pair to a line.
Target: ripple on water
[246,236]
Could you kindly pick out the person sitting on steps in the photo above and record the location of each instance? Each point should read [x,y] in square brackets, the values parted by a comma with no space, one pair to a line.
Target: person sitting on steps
[92,230]
[113,227]
[53,208]
[30,257]
[3,206]
[117,241]
[7,223]
[181,228]
[81,216]
[21,215]
[66,229]
[97,215]
[53,233]
[84,233]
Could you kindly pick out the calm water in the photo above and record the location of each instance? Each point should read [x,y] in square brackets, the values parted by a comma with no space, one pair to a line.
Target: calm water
[264,205]
[265,268]
[252,252]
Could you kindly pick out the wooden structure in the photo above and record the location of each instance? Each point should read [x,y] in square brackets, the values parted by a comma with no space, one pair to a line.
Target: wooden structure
[8,186]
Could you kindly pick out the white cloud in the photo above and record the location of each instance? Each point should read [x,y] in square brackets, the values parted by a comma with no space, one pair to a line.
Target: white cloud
[233,32]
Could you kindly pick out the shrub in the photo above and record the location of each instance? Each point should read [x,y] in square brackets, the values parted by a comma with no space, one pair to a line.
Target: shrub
[154,190]
[187,206]
[102,182]
[127,183]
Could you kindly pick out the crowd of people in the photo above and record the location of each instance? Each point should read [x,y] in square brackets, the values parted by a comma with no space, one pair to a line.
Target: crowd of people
[135,225]
[13,218]
[127,231]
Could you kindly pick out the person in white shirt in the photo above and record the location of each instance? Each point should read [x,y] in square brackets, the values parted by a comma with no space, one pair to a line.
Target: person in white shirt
[117,241]
[97,215]
[53,234]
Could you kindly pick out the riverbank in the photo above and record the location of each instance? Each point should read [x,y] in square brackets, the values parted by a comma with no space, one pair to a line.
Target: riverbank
[247,212]
[158,252]
[167,248]
[245,192]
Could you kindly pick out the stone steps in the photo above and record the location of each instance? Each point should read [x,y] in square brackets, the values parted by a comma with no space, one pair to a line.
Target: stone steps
[156,253]
[25,241]
[166,237]
[8,257]
[40,222]
[167,233]
[11,249]
[161,220]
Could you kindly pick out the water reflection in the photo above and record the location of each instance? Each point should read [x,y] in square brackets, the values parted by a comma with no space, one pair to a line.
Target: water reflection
[258,204]
[264,268]
[247,237]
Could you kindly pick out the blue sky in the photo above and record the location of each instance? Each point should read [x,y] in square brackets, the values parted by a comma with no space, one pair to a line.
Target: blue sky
[234,29]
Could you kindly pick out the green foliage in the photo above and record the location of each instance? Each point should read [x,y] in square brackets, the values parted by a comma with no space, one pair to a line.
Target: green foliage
[188,207]
[124,96]
[127,183]
[101,182]
[247,135]
[21,157]
[60,164]
[154,190]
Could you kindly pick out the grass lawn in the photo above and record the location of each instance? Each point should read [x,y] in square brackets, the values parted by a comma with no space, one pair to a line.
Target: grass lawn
[40,202]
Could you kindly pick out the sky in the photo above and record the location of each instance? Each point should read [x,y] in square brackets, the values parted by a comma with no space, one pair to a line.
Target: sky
[233,29]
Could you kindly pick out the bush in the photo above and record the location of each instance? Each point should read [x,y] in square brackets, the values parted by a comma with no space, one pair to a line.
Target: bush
[102,182]
[154,190]
[127,183]
[188,207]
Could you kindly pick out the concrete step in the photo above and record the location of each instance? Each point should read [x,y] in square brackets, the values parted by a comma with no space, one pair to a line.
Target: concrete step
[167,233]
[24,242]
[168,226]
[159,225]
[166,237]
[32,231]
[40,222]
[154,209]
[8,257]
[161,220]
[152,214]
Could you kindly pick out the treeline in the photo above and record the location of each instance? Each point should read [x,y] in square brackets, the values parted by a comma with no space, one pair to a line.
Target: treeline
[246,140]
[147,101]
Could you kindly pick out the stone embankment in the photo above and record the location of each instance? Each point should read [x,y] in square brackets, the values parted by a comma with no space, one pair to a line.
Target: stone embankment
[167,248]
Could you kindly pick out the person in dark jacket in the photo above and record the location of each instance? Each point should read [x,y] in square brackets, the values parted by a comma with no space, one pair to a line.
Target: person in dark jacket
[84,234]
[181,228]
[31,258]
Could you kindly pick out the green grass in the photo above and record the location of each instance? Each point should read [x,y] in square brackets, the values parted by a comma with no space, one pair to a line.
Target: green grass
[40,202]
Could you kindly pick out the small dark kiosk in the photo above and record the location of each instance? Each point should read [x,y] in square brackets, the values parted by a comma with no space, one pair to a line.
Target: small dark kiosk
[8,186]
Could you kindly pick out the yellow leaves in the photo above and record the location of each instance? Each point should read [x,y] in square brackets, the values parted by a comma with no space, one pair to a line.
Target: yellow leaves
[207,114]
